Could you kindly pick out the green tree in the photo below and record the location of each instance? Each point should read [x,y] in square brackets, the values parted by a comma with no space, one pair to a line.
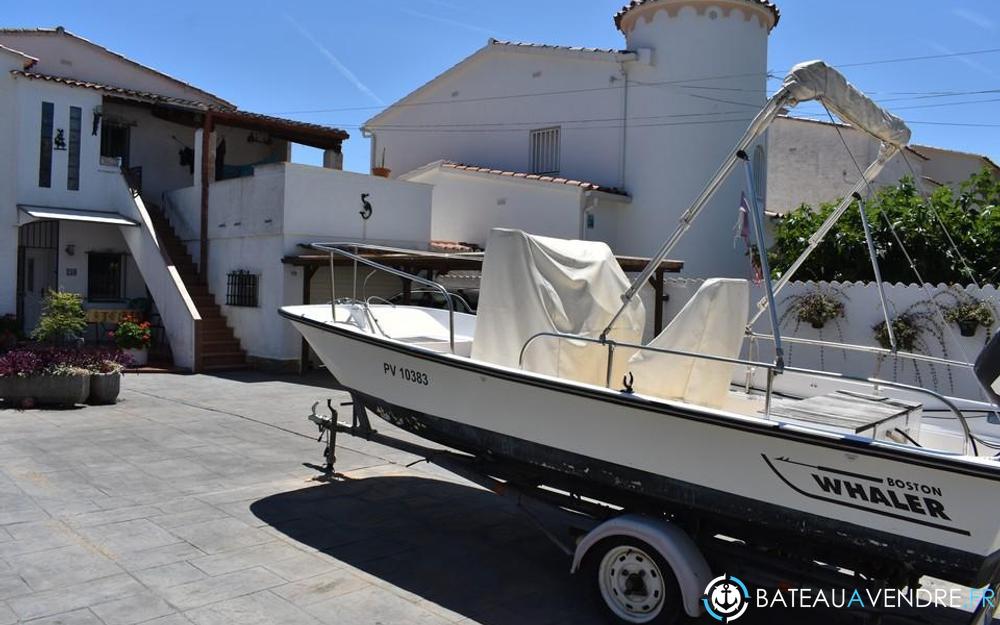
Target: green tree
[926,227]
[63,318]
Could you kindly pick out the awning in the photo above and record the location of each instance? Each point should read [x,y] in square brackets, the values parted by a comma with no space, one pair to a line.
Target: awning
[72,214]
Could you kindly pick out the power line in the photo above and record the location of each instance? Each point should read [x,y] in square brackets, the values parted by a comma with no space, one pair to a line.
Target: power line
[921,58]
[679,82]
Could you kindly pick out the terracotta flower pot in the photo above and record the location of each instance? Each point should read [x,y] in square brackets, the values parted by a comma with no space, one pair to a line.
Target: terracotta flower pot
[104,388]
[381,172]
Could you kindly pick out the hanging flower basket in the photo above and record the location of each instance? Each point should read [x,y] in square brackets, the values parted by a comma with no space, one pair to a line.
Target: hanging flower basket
[968,315]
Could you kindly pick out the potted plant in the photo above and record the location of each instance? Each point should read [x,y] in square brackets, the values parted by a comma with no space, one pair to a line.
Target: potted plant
[817,307]
[31,376]
[133,337]
[106,368]
[381,171]
[905,329]
[63,319]
[969,315]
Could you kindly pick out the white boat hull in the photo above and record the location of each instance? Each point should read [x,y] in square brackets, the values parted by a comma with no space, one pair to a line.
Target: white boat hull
[935,510]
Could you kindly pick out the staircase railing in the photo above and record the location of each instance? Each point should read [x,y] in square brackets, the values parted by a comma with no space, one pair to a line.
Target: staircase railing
[181,318]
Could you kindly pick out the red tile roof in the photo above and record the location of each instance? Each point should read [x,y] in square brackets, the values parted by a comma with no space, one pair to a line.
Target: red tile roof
[115,91]
[545,46]
[589,186]
[224,114]
[454,246]
[60,31]
[637,3]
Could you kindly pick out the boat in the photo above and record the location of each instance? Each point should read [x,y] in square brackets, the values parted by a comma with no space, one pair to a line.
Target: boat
[551,384]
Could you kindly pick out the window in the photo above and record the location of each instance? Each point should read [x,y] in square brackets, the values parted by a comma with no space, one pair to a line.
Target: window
[105,277]
[115,139]
[241,289]
[73,168]
[45,146]
[545,151]
[760,174]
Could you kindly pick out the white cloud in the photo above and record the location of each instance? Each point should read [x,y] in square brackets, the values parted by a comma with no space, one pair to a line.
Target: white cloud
[459,23]
[340,67]
[970,62]
[977,19]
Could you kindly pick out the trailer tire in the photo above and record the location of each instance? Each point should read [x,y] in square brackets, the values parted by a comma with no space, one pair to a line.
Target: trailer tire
[632,583]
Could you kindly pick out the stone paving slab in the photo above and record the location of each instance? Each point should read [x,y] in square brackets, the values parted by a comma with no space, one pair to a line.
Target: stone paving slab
[187,503]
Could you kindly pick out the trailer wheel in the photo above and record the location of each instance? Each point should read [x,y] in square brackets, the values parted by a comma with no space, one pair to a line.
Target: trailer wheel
[632,582]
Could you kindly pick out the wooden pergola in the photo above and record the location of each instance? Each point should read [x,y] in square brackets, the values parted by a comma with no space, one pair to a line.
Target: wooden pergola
[439,264]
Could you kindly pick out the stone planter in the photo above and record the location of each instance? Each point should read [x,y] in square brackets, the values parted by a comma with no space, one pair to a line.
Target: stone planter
[56,390]
[139,356]
[104,388]
[381,172]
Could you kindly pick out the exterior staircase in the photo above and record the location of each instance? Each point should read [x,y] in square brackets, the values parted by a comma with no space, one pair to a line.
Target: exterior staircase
[220,349]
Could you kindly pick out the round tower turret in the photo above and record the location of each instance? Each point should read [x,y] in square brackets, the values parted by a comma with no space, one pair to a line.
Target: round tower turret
[701,75]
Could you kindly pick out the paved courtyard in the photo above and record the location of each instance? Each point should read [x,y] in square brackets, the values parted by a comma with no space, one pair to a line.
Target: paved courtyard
[188,502]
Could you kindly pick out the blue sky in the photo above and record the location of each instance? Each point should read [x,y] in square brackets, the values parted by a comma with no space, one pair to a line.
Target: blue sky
[293,58]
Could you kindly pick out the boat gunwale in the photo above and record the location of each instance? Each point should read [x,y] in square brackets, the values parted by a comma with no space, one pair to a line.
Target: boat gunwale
[946,461]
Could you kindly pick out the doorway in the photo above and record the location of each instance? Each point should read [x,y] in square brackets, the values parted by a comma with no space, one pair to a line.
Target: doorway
[37,269]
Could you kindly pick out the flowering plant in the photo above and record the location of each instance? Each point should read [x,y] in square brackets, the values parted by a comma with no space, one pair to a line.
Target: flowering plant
[31,361]
[132,333]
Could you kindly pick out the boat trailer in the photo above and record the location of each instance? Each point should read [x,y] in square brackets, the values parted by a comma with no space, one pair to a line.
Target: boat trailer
[590,531]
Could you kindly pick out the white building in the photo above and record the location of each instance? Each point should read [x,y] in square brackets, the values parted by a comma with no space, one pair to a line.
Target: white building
[808,163]
[138,190]
[650,123]
[631,136]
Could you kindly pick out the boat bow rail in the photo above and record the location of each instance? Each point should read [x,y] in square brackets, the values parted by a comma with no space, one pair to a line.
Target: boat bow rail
[341,249]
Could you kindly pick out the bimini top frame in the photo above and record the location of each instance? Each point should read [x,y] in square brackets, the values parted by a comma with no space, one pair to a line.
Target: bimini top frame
[813,80]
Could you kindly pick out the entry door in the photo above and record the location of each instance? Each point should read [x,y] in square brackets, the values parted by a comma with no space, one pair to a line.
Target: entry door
[39,267]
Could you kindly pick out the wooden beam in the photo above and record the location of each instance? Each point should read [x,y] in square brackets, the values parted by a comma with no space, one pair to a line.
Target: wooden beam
[658,304]
[207,164]
[307,276]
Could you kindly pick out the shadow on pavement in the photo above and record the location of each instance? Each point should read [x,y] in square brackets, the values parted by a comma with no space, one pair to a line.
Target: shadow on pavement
[470,552]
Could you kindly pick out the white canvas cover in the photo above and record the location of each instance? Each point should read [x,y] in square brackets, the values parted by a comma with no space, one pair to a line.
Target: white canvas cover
[534,284]
[815,80]
[712,322]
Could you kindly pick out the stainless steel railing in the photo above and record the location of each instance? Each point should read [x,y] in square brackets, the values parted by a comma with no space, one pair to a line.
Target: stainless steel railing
[336,249]
[771,369]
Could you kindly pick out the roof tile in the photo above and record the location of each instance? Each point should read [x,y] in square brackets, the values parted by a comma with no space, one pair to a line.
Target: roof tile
[145,96]
[637,3]
[589,186]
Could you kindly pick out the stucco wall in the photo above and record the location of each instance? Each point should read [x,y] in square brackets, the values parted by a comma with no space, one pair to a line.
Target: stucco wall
[863,311]
[64,55]
[468,205]
[807,163]
[256,220]
[154,145]
[8,184]
[93,192]
[467,129]
[85,239]
[323,203]
[951,168]
[706,81]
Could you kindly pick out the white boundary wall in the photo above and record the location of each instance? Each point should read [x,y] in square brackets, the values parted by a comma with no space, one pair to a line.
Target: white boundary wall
[862,312]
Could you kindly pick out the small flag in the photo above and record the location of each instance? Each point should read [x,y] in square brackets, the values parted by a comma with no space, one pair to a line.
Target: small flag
[742,231]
